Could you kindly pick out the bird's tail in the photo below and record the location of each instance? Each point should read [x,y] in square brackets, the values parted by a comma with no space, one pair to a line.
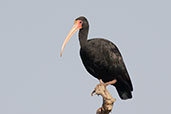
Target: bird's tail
[123,90]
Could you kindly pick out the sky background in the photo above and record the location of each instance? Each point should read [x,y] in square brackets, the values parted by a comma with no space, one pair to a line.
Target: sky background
[34,79]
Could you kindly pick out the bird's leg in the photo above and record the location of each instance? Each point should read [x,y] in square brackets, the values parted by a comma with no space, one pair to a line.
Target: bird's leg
[110,82]
[101,81]
[104,84]
[107,83]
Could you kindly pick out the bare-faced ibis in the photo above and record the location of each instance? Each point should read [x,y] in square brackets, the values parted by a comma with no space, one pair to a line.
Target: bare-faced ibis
[102,59]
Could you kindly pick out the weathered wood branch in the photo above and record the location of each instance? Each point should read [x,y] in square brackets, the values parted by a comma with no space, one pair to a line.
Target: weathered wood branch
[108,100]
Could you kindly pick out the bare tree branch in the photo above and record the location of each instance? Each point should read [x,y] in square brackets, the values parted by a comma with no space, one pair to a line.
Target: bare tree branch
[108,100]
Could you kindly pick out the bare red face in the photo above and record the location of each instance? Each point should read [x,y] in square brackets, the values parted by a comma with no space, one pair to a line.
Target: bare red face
[79,22]
[77,26]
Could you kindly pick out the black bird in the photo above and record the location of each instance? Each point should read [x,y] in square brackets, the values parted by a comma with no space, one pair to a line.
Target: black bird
[102,59]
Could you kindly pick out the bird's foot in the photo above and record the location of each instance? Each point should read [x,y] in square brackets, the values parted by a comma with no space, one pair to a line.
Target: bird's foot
[103,84]
[96,89]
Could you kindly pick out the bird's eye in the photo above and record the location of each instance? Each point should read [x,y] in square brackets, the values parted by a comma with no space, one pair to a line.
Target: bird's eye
[81,22]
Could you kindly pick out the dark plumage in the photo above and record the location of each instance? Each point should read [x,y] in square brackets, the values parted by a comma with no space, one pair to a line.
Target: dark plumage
[103,60]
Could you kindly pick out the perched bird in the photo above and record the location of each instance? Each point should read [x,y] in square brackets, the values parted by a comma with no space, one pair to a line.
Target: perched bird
[102,59]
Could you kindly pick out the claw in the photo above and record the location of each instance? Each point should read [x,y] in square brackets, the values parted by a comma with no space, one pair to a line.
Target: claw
[93,92]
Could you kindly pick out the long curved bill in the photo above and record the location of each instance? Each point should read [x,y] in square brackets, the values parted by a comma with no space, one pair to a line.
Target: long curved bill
[72,31]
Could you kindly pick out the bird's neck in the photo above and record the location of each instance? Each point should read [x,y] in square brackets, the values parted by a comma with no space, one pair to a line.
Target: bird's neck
[83,34]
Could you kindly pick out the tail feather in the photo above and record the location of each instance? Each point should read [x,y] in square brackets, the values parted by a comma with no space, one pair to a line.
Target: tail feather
[123,90]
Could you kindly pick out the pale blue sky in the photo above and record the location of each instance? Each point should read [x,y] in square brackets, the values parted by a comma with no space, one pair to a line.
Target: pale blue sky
[34,79]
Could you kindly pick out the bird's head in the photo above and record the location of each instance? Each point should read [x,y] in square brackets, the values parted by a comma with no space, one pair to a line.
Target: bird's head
[80,23]
[83,21]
